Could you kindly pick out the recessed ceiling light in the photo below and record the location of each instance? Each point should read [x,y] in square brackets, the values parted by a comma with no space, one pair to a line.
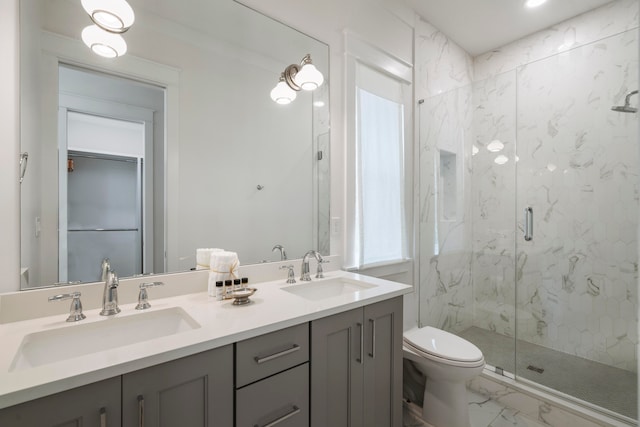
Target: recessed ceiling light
[534,3]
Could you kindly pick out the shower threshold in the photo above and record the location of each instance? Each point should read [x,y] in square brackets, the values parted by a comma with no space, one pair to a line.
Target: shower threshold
[608,387]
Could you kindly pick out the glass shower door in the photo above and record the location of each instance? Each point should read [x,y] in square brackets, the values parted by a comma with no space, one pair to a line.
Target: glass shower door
[577,222]
[493,189]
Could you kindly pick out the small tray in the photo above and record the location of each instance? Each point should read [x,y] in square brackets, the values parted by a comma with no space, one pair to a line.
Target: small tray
[241,296]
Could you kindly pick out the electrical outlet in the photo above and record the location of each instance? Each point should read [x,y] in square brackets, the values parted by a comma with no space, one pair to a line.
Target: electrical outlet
[38,227]
[336,225]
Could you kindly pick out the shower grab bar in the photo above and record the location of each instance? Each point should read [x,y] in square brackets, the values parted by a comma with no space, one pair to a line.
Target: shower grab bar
[528,224]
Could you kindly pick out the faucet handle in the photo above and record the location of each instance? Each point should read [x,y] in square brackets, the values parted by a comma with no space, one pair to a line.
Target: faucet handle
[143,297]
[291,276]
[320,271]
[75,312]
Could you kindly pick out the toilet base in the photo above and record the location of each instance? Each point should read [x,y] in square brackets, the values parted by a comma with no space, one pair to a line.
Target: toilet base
[445,404]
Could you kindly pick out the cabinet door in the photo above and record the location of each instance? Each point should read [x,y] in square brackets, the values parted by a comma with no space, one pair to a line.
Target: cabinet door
[383,364]
[195,391]
[93,405]
[337,352]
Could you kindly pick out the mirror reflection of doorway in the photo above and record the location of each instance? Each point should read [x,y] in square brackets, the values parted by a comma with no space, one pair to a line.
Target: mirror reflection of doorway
[107,191]
[104,211]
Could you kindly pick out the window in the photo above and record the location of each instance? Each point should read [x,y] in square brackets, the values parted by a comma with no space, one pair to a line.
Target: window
[379,234]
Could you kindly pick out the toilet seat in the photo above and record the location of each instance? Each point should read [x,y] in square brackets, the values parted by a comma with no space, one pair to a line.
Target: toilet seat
[443,347]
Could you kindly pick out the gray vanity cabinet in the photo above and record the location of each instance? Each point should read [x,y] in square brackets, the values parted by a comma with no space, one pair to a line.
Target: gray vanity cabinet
[195,391]
[92,405]
[272,379]
[356,367]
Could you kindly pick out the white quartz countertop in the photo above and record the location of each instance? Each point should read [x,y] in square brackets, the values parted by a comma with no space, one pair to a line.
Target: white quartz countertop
[220,323]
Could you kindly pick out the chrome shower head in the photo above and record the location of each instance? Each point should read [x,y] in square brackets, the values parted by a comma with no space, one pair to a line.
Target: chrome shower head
[626,108]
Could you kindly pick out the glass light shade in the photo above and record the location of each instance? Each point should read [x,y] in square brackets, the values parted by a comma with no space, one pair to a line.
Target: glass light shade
[115,16]
[308,78]
[104,43]
[282,93]
[495,146]
[501,160]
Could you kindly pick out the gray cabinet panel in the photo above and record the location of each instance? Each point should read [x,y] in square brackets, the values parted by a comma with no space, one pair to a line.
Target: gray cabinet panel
[283,397]
[383,364]
[265,355]
[356,367]
[79,407]
[336,372]
[195,391]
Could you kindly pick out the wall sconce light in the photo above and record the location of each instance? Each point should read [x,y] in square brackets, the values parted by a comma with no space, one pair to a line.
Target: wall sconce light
[114,16]
[295,78]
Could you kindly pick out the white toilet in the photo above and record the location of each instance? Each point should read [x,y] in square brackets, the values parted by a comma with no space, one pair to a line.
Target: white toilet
[448,362]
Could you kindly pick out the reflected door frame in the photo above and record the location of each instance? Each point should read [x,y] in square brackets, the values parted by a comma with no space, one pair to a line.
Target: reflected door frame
[70,103]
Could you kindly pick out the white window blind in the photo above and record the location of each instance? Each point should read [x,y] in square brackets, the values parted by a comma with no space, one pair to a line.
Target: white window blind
[380,228]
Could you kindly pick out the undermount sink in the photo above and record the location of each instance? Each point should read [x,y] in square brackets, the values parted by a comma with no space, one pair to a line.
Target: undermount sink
[41,348]
[324,289]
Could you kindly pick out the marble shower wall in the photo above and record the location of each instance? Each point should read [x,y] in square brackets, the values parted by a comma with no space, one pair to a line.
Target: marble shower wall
[443,81]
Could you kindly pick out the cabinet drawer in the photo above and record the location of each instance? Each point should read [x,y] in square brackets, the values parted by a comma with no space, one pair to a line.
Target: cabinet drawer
[281,400]
[259,357]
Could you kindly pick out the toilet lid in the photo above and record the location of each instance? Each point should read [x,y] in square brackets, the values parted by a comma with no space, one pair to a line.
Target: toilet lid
[442,344]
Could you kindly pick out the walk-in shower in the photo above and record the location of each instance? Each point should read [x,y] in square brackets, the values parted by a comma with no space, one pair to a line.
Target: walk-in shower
[535,139]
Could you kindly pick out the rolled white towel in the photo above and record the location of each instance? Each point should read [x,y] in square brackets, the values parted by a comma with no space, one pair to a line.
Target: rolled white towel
[203,257]
[222,266]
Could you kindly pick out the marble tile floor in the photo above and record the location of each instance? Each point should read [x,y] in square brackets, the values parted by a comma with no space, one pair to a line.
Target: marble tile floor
[483,412]
[611,388]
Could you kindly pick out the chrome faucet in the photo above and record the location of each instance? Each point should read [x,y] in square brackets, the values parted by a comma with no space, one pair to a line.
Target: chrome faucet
[106,268]
[283,253]
[304,271]
[110,295]
[291,275]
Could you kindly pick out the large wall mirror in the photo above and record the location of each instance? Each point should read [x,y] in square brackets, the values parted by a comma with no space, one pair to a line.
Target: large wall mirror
[174,146]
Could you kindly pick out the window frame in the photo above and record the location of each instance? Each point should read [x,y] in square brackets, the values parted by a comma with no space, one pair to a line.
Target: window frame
[359,52]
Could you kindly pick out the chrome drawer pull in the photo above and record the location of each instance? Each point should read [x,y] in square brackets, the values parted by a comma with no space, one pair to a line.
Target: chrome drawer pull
[293,349]
[372,354]
[103,417]
[140,411]
[361,358]
[295,410]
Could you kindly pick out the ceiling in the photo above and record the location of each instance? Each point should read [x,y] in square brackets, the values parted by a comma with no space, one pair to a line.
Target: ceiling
[479,26]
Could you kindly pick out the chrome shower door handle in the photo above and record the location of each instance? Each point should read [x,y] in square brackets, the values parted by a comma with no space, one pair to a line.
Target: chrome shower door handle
[528,224]
[24,158]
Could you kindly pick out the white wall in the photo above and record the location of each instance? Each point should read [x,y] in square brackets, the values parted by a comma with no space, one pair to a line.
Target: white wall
[9,148]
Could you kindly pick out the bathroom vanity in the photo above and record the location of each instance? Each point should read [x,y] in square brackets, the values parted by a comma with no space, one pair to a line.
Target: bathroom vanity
[322,353]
